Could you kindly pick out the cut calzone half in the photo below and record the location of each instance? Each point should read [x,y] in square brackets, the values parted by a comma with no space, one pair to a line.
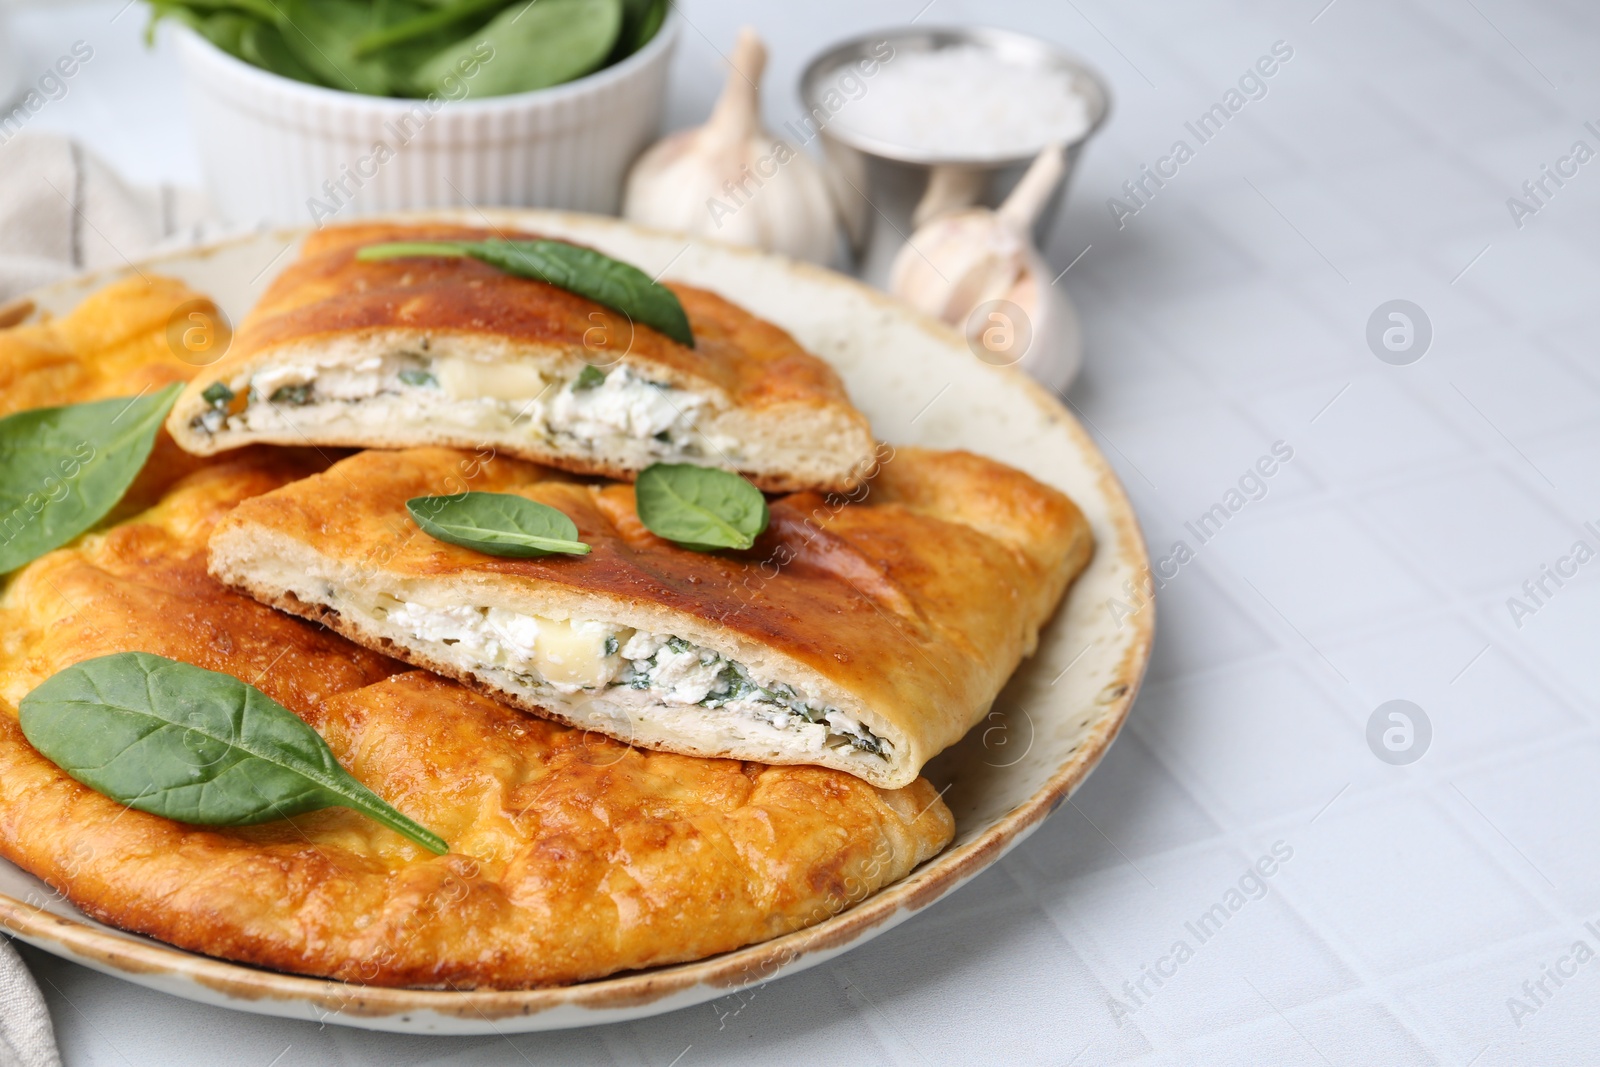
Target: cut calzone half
[862,635]
[433,350]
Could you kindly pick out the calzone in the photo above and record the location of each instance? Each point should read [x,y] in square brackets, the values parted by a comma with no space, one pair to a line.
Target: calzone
[427,350]
[862,633]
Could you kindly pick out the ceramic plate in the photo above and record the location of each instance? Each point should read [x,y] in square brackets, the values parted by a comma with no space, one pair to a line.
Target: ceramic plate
[919,384]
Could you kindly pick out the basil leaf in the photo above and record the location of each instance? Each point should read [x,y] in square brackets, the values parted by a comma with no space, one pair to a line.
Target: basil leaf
[498,524]
[699,507]
[584,271]
[535,46]
[185,743]
[62,469]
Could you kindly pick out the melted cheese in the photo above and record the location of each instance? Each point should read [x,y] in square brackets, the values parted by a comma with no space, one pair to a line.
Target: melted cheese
[570,655]
[468,379]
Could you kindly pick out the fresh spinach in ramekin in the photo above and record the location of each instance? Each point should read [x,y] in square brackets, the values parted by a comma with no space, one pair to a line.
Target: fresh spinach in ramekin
[413,48]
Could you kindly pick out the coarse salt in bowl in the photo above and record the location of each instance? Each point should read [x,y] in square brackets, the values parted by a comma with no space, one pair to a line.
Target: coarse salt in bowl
[964,102]
[275,150]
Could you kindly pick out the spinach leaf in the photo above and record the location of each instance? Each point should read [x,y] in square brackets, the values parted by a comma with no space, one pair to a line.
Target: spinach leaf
[584,271]
[225,29]
[422,25]
[64,468]
[185,743]
[535,46]
[700,507]
[498,524]
[418,47]
[262,44]
[196,13]
[322,35]
[642,18]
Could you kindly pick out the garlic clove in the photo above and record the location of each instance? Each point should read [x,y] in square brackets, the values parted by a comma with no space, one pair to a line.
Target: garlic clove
[950,188]
[1055,352]
[957,261]
[1033,190]
[733,180]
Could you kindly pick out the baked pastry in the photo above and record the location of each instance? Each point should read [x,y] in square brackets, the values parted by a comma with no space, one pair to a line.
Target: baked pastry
[450,351]
[114,343]
[862,636]
[123,340]
[572,856]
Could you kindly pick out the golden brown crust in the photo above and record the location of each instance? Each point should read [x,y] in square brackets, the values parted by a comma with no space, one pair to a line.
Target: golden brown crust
[915,604]
[327,292]
[739,361]
[573,856]
[114,343]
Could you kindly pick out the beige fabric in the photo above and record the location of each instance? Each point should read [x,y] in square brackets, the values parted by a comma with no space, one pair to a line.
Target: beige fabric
[63,211]
[26,1036]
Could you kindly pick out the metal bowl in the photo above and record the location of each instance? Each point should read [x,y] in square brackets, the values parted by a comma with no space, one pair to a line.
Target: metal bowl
[881,183]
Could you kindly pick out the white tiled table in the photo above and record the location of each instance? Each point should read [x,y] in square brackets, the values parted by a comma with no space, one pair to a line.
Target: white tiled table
[1228,314]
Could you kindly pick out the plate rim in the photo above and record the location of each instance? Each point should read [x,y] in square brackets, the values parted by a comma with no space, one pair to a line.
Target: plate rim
[244,987]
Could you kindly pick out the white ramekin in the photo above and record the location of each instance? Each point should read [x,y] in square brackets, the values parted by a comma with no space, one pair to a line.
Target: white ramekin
[280,151]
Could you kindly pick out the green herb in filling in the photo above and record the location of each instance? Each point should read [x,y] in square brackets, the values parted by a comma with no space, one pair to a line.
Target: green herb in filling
[296,395]
[588,378]
[217,395]
[734,683]
[417,376]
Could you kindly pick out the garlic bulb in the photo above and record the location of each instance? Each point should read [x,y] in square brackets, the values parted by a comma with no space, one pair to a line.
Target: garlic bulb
[733,180]
[956,261]
[962,259]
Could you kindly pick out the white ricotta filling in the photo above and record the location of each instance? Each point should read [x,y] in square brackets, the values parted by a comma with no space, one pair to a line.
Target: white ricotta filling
[623,404]
[594,410]
[653,672]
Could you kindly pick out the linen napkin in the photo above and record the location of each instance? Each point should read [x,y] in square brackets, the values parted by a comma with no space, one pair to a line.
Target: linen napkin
[26,1037]
[64,211]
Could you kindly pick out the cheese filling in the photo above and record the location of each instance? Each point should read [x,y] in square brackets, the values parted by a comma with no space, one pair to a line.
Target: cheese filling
[581,656]
[596,409]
